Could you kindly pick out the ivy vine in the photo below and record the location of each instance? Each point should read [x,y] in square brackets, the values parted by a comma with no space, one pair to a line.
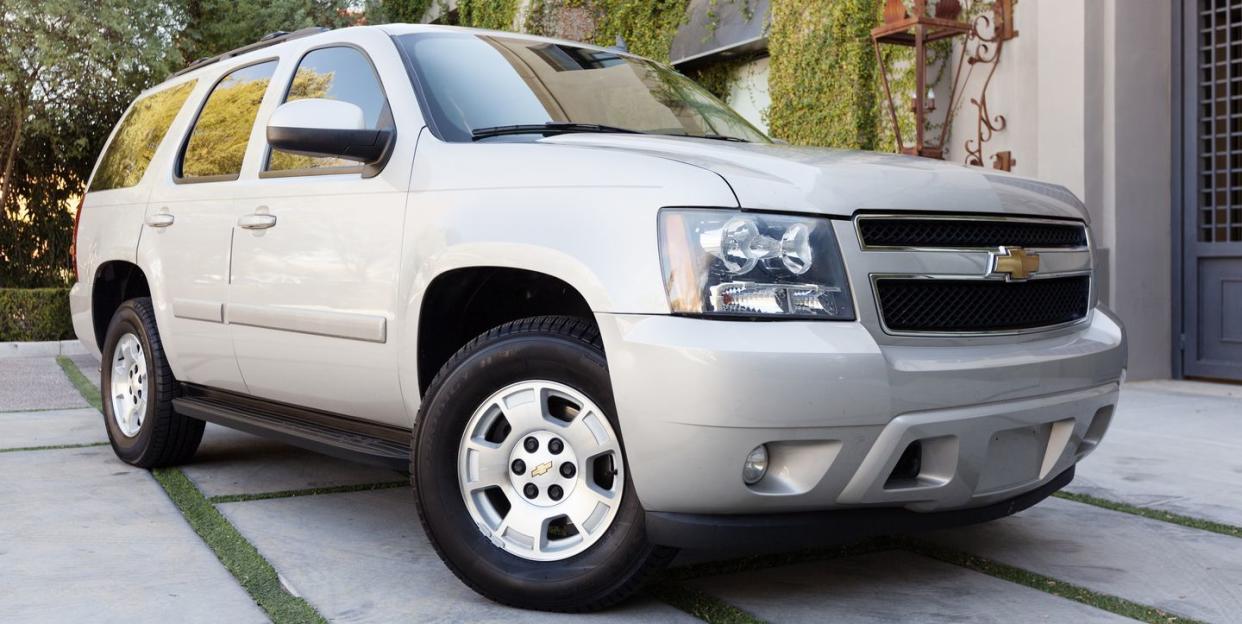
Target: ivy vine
[823,72]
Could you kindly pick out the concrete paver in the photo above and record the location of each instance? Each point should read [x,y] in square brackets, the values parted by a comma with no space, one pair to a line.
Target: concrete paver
[35,383]
[50,428]
[1185,571]
[362,557]
[86,538]
[889,587]
[231,462]
[1173,451]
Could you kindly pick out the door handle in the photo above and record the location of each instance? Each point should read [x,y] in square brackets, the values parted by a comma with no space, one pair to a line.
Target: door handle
[159,220]
[257,221]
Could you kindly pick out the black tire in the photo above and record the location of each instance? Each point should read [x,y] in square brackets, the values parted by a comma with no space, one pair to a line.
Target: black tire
[556,348]
[165,438]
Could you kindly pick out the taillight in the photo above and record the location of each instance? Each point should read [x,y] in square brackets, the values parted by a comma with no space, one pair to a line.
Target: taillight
[73,247]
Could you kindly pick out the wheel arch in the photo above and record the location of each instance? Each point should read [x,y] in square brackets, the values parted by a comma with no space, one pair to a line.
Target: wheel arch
[114,283]
[463,302]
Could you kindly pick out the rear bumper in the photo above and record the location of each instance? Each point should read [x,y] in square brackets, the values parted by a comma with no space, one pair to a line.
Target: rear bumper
[80,312]
[773,532]
[994,419]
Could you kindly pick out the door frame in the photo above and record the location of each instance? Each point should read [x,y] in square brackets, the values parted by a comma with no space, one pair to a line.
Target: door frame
[1185,107]
[1181,125]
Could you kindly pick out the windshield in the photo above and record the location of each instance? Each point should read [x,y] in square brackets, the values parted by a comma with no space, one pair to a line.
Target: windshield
[475,82]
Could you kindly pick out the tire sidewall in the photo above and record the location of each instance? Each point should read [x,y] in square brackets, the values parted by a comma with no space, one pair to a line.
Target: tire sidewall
[126,321]
[506,577]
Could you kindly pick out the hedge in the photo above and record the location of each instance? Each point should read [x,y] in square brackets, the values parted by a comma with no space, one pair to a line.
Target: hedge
[29,314]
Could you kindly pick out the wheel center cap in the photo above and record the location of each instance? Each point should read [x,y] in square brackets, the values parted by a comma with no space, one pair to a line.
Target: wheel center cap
[537,468]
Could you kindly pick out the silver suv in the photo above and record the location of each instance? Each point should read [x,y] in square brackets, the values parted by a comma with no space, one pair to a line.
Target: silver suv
[595,313]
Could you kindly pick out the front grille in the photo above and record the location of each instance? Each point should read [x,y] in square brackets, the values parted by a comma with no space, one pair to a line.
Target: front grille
[972,306]
[969,233]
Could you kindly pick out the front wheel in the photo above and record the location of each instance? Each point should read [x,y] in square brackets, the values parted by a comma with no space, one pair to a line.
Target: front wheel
[520,474]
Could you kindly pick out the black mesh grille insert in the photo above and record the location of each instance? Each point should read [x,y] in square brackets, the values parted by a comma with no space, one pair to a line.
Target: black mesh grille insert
[932,305]
[953,233]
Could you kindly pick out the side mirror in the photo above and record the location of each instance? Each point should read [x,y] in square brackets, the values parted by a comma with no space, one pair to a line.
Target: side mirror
[316,127]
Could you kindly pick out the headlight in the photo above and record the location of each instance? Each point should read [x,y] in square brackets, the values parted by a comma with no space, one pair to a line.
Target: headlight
[726,262]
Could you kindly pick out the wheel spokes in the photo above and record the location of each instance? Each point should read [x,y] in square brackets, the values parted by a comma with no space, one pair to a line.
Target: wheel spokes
[485,466]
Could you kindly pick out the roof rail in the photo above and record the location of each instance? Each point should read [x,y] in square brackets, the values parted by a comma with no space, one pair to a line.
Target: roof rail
[270,39]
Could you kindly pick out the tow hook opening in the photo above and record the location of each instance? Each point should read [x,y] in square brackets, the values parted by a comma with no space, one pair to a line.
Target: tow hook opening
[906,473]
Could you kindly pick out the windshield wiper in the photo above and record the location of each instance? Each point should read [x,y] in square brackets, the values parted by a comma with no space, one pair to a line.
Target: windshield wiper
[547,129]
[720,137]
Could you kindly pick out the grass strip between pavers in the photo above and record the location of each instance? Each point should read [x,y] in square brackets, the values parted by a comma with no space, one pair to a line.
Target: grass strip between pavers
[79,381]
[701,605]
[52,447]
[1154,514]
[336,489]
[238,555]
[1006,572]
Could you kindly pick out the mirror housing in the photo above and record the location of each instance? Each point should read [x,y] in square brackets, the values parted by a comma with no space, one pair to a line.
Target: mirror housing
[318,127]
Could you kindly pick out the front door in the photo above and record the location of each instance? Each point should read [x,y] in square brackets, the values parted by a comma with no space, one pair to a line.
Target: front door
[1212,202]
[316,257]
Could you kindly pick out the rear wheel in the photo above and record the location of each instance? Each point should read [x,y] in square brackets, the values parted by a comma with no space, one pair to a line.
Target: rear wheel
[520,474]
[138,388]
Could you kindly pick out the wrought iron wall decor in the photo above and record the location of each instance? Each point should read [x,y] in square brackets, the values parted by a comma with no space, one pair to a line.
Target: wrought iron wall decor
[985,36]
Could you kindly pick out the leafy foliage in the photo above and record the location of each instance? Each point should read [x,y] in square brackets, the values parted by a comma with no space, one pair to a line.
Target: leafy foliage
[216,26]
[646,26]
[35,314]
[822,73]
[491,14]
[68,69]
[397,11]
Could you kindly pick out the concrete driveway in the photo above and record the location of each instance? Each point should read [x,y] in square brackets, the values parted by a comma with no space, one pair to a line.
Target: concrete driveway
[254,530]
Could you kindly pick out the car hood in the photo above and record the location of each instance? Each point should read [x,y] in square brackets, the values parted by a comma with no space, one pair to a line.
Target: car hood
[842,182]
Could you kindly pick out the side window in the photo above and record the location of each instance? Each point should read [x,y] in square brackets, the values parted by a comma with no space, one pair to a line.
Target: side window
[218,140]
[139,135]
[338,73]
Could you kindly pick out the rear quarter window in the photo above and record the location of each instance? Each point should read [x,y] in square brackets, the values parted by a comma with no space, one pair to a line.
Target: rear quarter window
[139,135]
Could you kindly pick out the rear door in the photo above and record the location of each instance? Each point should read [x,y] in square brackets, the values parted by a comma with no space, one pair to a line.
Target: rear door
[189,226]
[317,251]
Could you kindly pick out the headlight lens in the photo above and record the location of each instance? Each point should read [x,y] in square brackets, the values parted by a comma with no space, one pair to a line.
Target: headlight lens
[731,263]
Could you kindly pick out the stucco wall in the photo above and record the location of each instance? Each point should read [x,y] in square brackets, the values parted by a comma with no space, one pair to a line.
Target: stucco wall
[748,92]
[1086,89]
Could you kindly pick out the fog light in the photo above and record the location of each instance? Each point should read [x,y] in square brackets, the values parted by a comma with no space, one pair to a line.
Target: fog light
[756,465]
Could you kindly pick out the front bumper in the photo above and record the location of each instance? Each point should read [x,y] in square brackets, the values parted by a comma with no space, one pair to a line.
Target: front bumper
[772,532]
[995,420]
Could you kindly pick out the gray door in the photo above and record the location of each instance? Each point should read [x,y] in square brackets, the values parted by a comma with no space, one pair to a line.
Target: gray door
[1212,203]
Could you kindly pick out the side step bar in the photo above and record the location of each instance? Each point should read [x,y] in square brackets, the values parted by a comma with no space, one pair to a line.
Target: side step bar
[323,432]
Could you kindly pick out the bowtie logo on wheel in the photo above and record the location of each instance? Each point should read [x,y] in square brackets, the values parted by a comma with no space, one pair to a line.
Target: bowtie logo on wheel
[541,469]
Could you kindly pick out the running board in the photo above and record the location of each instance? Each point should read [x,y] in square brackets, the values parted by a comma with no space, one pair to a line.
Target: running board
[323,432]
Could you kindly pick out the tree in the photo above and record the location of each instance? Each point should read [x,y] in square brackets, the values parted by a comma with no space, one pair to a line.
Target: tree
[216,26]
[68,69]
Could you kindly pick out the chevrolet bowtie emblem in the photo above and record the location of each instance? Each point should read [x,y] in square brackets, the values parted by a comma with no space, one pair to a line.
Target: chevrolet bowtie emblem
[541,469]
[1015,263]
